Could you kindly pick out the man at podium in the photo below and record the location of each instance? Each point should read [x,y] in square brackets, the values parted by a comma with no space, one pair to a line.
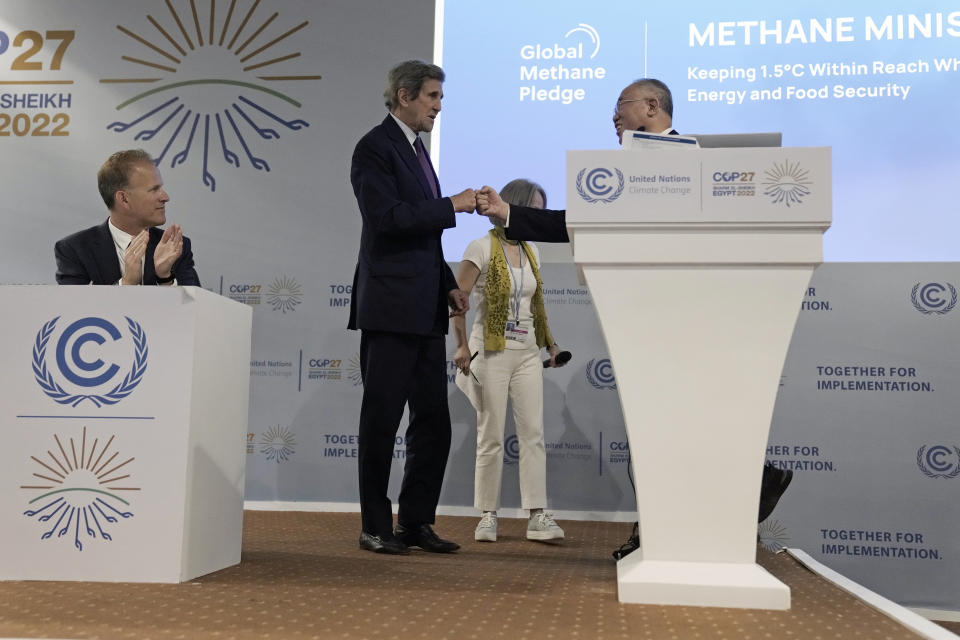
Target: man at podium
[644,105]
[128,248]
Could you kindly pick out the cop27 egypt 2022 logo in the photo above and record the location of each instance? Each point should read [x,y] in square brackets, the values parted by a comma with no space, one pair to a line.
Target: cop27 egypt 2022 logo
[773,535]
[175,55]
[278,444]
[931,298]
[787,183]
[596,185]
[80,489]
[79,372]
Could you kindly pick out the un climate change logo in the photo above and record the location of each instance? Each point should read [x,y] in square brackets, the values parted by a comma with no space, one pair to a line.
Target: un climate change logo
[938,461]
[81,364]
[511,450]
[596,186]
[600,374]
[931,298]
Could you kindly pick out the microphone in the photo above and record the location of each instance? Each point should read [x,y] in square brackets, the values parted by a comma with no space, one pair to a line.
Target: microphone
[562,358]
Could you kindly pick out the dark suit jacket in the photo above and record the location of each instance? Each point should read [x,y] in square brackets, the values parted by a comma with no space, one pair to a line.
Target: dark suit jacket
[89,256]
[402,280]
[541,225]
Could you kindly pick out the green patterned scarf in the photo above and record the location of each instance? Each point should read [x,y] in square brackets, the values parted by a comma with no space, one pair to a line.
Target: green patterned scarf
[497,295]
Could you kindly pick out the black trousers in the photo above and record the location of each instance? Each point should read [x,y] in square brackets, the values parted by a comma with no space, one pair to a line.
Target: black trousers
[399,369]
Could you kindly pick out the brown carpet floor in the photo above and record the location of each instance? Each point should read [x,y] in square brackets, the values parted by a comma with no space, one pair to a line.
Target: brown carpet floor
[302,575]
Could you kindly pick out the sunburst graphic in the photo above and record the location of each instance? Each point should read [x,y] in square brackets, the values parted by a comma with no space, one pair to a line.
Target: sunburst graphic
[787,183]
[284,294]
[278,444]
[353,370]
[176,104]
[80,486]
[773,535]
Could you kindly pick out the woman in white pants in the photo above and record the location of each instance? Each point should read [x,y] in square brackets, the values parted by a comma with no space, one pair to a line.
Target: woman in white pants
[503,353]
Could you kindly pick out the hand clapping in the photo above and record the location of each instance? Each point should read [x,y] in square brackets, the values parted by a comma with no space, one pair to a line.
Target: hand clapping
[133,257]
[168,250]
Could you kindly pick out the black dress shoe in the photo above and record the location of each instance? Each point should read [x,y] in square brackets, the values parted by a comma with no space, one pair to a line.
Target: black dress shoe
[424,537]
[631,545]
[775,482]
[382,545]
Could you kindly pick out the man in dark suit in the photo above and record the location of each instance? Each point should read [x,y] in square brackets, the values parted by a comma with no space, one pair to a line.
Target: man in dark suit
[128,248]
[644,105]
[401,289]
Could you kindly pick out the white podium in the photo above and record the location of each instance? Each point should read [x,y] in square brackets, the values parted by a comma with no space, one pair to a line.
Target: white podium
[697,261]
[124,413]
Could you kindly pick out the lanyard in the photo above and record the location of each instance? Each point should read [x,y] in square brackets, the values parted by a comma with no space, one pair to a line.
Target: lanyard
[517,294]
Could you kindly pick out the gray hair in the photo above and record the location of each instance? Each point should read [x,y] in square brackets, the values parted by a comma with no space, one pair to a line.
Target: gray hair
[114,174]
[660,90]
[409,75]
[521,191]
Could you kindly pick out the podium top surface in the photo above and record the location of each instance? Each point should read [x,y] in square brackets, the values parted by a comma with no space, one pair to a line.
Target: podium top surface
[175,295]
[738,140]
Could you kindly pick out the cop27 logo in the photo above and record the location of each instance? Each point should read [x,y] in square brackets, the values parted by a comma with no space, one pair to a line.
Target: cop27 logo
[597,186]
[79,372]
[773,535]
[278,444]
[80,492]
[932,298]
[787,183]
[219,119]
[939,461]
[600,374]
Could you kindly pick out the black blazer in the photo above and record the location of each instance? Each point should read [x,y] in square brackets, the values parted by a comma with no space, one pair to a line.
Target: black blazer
[89,256]
[541,225]
[401,280]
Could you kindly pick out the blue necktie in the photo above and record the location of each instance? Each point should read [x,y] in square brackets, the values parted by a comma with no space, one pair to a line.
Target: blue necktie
[425,166]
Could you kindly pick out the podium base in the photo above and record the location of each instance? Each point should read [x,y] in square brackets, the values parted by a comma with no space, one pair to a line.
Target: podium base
[699,584]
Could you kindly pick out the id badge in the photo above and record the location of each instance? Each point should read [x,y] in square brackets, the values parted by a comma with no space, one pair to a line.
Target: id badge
[514,331]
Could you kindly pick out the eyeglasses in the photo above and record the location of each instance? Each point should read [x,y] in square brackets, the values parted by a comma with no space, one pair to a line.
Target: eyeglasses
[622,102]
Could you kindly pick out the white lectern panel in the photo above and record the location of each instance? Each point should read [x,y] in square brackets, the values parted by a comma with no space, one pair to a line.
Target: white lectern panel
[698,261]
[124,411]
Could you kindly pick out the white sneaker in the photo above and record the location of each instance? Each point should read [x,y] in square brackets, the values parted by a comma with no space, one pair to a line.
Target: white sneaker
[486,530]
[542,527]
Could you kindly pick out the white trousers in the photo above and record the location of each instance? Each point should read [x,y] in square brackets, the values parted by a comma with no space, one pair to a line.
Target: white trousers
[516,374]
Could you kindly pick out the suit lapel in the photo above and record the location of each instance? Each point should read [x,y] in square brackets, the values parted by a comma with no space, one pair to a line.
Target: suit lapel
[405,149]
[105,255]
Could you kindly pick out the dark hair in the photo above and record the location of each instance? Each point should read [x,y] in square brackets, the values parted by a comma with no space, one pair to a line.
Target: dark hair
[409,75]
[521,191]
[114,174]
